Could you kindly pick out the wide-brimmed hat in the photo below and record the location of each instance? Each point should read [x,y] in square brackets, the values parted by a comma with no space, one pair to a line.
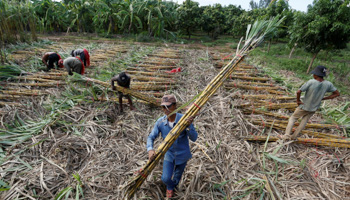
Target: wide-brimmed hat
[319,71]
[167,100]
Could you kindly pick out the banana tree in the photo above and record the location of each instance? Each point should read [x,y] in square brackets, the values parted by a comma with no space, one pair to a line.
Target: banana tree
[129,12]
[106,15]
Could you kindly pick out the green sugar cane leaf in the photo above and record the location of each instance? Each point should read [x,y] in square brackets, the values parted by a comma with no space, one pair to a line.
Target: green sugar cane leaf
[23,162]
[68,193]
[81,191]
[4,185]
[77,192]
[61,194]
[280,160]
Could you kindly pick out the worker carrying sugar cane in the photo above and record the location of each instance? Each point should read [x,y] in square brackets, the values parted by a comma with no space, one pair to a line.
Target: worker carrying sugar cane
[52,58]
[83,54]
[74,64]
[315,90]
[179,153]
[123,80]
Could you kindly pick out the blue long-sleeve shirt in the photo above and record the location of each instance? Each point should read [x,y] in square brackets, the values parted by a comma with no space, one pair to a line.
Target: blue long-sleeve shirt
[180,150]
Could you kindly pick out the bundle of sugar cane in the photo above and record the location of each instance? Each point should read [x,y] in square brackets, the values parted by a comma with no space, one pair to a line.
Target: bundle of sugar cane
[153,83]
[136,94]
[155,66]
[266,113]
[270,106]
[150,74]
[51,77]
[221,64]
[250,78]
[250,104]
[243,70]
[156,94]
[164,56]
[345,143]
[100,57]
[247,74]
[2,103]
[159,63]
[254,37]
[23,92]
[29,78]
[221,58]
[124,101]
[145,87]
[307,132]
[267,97]
[232,83]
[6,96]
[46,84]
[314,126]
[308,125]
[56,73]
[155,79]
[276,106]
[255,88]
[248,87]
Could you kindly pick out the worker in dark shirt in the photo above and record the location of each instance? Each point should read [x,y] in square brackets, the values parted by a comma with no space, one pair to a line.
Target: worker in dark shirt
[74,64]
[83,54]
[50,58]
[123,80]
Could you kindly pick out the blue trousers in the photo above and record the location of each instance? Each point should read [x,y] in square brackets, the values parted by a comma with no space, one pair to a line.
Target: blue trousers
[172,174]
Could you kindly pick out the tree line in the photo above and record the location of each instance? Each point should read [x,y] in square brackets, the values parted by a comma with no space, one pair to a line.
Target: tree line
[324,26]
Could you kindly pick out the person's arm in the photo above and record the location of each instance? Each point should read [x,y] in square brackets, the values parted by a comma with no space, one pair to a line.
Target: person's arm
[128,83]
[68,68]
[333,95]
[191,131]
[44,59]
[299,102]
[150,140]
[57,63]
[112,82]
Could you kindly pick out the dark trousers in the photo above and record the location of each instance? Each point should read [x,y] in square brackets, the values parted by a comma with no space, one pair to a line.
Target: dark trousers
[53,58]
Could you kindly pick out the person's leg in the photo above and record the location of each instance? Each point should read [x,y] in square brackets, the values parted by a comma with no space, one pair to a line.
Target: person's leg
[179,169]
[168,170]
[291,121]
[121,102]
[130,102]
[304,120]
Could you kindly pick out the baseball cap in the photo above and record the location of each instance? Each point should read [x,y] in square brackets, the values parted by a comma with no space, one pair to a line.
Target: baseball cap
[167,100]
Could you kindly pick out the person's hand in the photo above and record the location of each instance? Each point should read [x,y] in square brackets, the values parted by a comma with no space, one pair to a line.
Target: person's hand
[299,102]
[190,120]
[151,154]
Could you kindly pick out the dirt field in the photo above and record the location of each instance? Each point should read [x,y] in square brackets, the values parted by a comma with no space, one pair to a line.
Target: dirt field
[80,131]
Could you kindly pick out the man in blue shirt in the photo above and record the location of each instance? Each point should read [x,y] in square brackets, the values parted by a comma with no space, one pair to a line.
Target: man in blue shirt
[314,89]
[179,153]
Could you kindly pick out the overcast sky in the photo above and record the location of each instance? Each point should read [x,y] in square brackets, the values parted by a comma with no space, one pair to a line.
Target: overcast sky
[295,4]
